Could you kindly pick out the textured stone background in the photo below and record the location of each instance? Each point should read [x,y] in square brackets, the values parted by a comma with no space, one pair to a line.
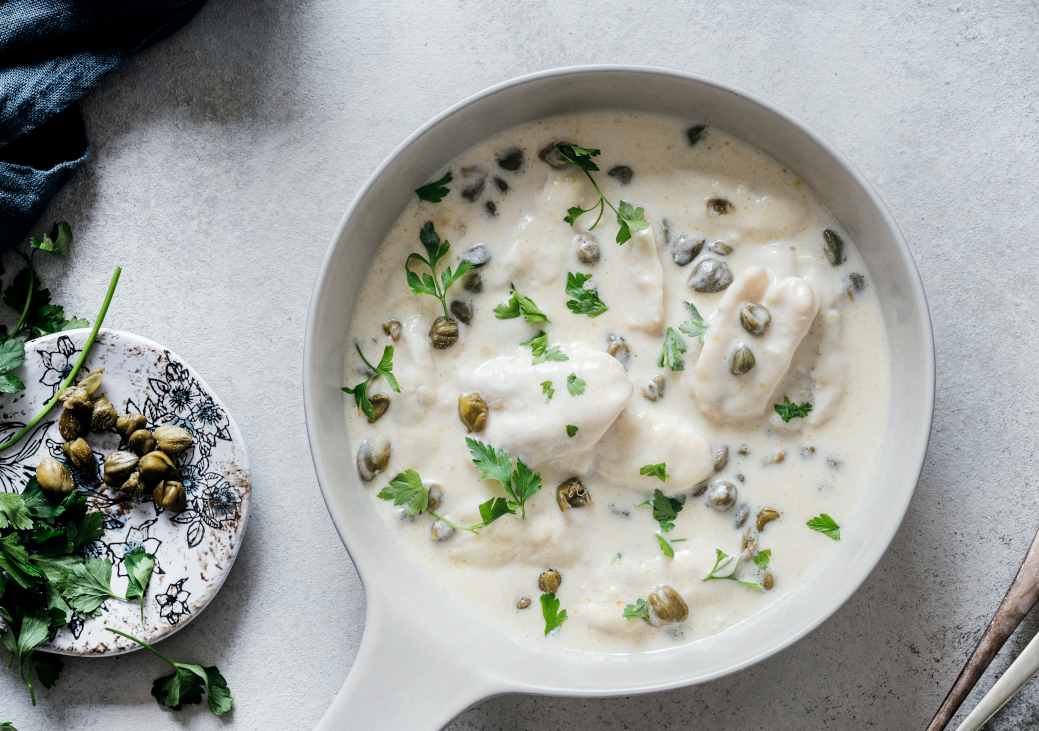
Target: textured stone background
[224,157]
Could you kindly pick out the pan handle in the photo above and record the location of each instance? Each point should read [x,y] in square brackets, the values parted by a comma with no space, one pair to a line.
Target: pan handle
[402,680]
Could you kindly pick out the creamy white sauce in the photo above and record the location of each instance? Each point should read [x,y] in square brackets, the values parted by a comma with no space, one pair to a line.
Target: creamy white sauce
[822,346]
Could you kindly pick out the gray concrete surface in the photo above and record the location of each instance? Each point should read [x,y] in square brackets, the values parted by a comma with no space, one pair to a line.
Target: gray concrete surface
[224,157]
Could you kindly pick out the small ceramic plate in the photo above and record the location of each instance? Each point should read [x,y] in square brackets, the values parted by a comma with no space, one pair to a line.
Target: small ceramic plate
[194,549]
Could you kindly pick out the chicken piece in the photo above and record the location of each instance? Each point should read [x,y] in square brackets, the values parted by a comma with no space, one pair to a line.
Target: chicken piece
[644,275]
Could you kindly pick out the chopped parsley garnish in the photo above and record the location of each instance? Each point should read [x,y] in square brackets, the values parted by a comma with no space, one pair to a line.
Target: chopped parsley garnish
[665,547]
[695,326]
[435,251]
[407,491]
[726,566]
[541,350]
[187,683]
[575,384]
[665,509]
[548,389]
[517,305]
[672,352]
[826,525]
[658,470]
[629,217]
[583,300]
[519,481]
[638,609]
[384,369]
[435,191]
[790,410]
[571,430]
[554,618]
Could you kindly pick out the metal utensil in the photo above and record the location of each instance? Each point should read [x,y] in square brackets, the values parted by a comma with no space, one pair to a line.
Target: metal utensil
[1006,687]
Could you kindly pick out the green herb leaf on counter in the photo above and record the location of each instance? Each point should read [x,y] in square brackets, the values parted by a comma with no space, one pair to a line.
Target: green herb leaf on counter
[638,609]
[139,565]
[56,242]
[583,300]
[695,326]
[7,726]
[518,481]
[554,618]
[435,191]
[575,384]
[789,410]
[571,430]
[517,305]
[548,390]
[658,470]
[436,250]
[672,352]
[630,219]
[726,566]
[383,369]
[665,509]
[541,350]
[826,525]
[187,683]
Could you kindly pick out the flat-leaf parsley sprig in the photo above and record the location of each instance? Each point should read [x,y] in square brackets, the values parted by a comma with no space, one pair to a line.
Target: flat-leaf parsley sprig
[519,481]
[583,300]
[435,191]
[383,369]
[789,410]
[630,218]
[430,283]
[726,568]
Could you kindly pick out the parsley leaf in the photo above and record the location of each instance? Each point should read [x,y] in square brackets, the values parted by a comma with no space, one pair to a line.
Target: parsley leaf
[658,470]
[571,430]
[139,566]
[187,683]
[518,481]
[435,191]
[630,219]
[575,384]
[726,566]
[407,490]
[672,352]
[88,585]
[639,609]
[518,304]
[665,509]
[541,350]
[491,510]
[548,389]
[14,560]
[584,301]
[695,326]
[13,512]
[360,391]
[435,251]
[665,547]
[550,611]
[56,242]
[826,525]
[789,410]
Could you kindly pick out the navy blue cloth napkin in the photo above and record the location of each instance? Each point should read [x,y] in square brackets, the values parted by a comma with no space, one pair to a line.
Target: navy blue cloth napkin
[52,52]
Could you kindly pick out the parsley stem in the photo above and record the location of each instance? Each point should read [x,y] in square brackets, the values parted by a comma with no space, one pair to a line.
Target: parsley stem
[20,434]
[28,300]
[145,645]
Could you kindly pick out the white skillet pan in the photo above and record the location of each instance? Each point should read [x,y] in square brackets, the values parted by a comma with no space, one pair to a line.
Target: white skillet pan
[417,636]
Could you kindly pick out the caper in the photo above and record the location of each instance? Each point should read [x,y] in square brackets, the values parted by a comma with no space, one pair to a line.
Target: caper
[79,453]
[54,477]
[721,495]
[392,328]
[775,457]
[699,488]
[742,361]
[91,382]
[551,156]
[155,466]
[655,388]
[719,206]
[523,602]
[129,423]
[853,283]
[380,403]
[807,452]
[686,248]
[588,251]
[833,247]
[435,492]
[141,442]
[549,581]
[572,494]
[710,275]
[76,398]
[741,515]
[721,457]
[372,458]
[170,495]
[472,281]
[441,530]
[695,133]
[103,415]
[511,159]
[622,173]
[118,466]
[72,424]
[173,439]
[720,247]
[133,483]
[472,410]
[474,189]
[743,450]
[755,318]
[666,606]
[766,516]
[462,310]
[769,581]
[617,346]
[477,255]
[443,333]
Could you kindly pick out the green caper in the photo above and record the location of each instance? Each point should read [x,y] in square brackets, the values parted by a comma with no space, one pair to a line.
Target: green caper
[76,398]
[741,515]
[380,403]
[775,457]
[523,602]
[572,494]
[103,416]
[472,410]
[141,442]
[617,346]
[720,206]
[472,282]
[54,477]
[118,467]
[755,318]
[127,424]
[91,382]
[372,458]
[766,516]
[441,530]
[721,495]
[742,361]
[700,488]
[435,495]
[588,251]
[133,483]
[392,328]
[72,424]
[79,453]
[769,581]
[666,606]
[833,247]
[156,466]
[720,247]
[443,333]
[721,457]
[173,439]
[655,388]
[462,310]
[549,581]
[710,275]
[170,495]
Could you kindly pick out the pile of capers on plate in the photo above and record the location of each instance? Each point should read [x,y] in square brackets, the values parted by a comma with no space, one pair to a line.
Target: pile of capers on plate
[146,460]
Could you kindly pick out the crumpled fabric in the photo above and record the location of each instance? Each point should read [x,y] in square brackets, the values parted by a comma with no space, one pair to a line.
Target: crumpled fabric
[52,53]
